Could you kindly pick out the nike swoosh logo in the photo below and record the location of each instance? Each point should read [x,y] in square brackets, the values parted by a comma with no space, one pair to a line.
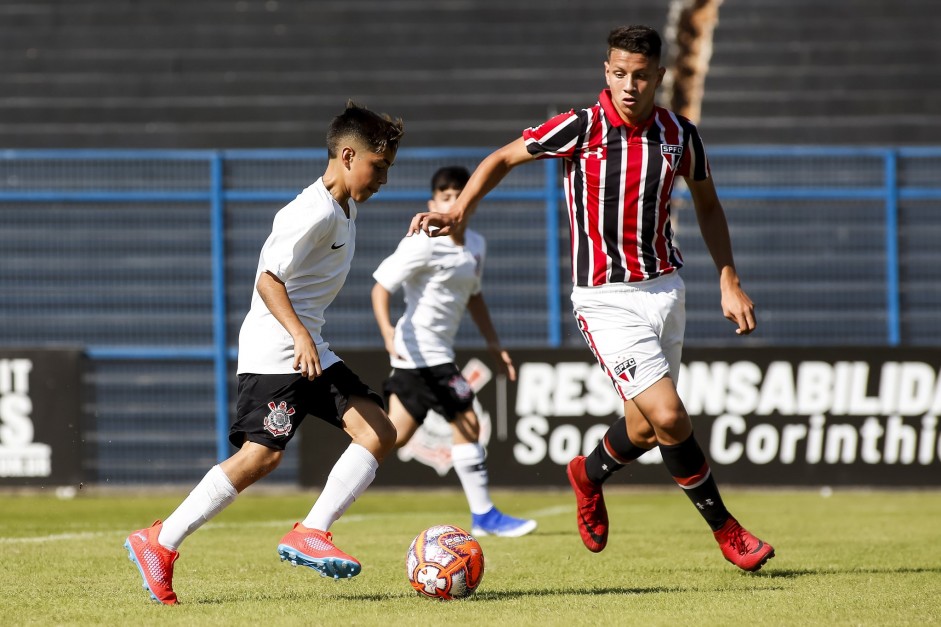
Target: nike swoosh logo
[334,246]
[758,548]
[591,533]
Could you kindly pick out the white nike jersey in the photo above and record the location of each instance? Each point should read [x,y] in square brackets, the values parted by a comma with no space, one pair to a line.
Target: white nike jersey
[310,249]
[438,277]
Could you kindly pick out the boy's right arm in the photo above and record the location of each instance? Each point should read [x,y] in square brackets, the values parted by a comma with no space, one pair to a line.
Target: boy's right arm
[381,297]
[275,296]
[488,175]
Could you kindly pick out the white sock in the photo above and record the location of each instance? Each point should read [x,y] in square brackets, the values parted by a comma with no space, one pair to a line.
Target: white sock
[210,496]
[468,460]
[348,479]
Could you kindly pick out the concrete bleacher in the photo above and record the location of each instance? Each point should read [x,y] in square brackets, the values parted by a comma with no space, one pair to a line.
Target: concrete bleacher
[255,73]
[251,73]
[835,72]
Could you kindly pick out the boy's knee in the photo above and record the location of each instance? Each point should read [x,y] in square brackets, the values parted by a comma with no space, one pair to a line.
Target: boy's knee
[274,458]
[472,432]
[467,425]
[251,463]
[267,460]
[645,440]
[676,425]
[386,435]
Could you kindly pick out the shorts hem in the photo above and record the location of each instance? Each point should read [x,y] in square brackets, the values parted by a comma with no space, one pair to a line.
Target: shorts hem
[258,439]
[638,389]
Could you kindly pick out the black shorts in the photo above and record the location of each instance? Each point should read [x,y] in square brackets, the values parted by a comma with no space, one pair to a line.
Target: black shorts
[441,388]
[271,407]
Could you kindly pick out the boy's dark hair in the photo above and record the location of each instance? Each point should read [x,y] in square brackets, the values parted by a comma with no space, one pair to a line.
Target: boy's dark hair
[449,177]
[635,38]
[378,132]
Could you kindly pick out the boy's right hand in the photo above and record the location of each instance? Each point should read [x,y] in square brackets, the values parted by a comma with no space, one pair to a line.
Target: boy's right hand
[433,224]
[306,358]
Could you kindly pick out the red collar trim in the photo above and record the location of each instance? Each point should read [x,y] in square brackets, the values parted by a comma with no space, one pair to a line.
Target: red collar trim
[614,117]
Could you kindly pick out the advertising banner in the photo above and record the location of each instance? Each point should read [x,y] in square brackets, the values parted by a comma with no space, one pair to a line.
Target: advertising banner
[40,417]
[763,416]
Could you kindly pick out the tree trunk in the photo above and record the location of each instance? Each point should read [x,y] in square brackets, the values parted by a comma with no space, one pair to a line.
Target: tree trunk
[688,34]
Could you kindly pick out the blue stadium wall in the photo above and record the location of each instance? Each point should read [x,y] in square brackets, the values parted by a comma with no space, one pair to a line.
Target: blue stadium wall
[144,261]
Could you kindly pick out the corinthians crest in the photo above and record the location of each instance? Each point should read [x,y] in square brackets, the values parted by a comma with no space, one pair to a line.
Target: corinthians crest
[278,421]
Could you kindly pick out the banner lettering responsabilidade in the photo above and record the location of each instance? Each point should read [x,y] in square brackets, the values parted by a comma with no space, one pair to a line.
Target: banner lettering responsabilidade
[763,416]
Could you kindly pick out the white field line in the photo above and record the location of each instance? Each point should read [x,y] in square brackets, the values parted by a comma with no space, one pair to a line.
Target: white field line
[85,535]
[263,524]
[556,510]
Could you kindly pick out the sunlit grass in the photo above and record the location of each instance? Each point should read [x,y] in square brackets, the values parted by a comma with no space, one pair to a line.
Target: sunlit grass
[869,558]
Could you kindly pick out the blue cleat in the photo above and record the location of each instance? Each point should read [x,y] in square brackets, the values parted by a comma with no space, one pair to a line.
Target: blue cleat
[496,523]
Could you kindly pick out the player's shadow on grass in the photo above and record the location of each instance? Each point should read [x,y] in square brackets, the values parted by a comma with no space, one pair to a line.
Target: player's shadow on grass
[482,596]
[295,596]
[503,595]
[793,573]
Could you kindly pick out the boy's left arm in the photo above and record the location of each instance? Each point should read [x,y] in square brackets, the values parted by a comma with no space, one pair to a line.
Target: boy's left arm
[736,305]
[486,176]
[480,314]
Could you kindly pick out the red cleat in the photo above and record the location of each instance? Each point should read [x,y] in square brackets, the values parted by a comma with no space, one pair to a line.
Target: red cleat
[742,548]
[315,549]
[154,561]
[592,514]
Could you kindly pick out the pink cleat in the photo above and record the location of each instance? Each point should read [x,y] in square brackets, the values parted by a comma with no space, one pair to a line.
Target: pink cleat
[315,549]
[589,500]
[154,561]
[742,548]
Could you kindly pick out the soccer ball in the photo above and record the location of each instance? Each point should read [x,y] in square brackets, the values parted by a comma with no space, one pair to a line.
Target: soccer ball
[444,562]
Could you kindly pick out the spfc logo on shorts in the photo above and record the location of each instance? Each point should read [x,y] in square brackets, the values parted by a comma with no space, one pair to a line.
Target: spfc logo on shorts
[626,369]
[461,388]
[278,421]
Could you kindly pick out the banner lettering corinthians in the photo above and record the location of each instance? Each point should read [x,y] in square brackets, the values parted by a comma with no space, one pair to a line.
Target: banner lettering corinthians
[431,444]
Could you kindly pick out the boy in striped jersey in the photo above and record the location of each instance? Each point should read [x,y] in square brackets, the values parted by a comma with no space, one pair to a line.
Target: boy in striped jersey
[620,160]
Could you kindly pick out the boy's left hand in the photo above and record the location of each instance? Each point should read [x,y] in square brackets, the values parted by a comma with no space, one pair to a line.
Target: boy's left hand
[739,308]
[504,363]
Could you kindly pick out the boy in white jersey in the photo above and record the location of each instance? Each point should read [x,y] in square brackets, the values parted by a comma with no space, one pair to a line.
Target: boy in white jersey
[286,370]
[441,278]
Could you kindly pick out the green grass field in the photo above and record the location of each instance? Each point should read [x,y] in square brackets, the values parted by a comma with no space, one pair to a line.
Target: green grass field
[854,558]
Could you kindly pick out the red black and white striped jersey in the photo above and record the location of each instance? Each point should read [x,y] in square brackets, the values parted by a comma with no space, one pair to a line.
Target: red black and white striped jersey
[618,182]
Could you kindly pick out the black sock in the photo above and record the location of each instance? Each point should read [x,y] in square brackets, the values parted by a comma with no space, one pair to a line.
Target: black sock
[613,452]
[689,468]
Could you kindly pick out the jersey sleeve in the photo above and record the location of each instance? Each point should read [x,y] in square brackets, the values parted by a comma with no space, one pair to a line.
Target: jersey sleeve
[294,234]
[412,254]
[558,136]
[694,163]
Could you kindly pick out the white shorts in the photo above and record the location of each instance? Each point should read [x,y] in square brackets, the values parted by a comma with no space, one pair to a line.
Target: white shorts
[635,330]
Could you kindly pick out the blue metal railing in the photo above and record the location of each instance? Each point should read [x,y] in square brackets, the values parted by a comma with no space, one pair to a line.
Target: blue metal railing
[216,195]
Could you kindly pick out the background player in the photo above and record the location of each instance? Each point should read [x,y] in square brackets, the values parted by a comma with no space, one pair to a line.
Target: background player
[620,159]
[441,278]
[286,370]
